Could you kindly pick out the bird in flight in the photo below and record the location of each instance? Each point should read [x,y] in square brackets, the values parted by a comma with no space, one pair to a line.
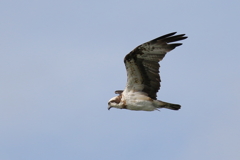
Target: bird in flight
[143,79]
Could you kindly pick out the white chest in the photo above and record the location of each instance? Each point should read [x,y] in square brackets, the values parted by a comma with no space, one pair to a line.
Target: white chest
[139,102]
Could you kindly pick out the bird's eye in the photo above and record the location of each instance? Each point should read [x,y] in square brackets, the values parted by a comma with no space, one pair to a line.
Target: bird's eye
[109,103]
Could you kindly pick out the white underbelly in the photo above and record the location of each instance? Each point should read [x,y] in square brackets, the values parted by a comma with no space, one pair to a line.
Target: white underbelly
[141,105]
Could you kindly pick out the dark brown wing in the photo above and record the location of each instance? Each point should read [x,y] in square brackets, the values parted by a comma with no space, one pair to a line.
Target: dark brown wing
[118,91]
[142,63]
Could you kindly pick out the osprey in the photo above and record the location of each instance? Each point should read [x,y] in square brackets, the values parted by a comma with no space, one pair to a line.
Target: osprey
[143,80]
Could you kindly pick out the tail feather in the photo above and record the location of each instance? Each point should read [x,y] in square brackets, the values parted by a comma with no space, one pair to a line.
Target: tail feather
[173,106]
[169,105]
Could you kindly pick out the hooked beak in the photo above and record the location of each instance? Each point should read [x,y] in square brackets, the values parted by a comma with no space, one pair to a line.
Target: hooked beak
[109,107]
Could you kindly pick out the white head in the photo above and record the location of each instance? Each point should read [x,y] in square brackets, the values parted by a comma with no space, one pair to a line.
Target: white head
[114,102]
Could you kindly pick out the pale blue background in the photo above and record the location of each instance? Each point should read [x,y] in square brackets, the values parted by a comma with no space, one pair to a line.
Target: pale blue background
[61,61]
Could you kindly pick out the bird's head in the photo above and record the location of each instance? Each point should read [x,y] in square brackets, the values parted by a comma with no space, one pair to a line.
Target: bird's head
[114,102]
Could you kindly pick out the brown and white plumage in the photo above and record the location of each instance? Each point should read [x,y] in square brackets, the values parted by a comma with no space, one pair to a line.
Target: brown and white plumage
[143,79]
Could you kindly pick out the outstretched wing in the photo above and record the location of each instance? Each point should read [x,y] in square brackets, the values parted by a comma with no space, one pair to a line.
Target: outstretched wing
[142,63]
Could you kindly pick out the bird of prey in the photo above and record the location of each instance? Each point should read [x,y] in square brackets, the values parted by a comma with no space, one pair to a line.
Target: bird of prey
[143,79]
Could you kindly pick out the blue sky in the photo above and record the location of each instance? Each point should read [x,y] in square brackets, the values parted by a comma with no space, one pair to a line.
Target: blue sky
[61,61]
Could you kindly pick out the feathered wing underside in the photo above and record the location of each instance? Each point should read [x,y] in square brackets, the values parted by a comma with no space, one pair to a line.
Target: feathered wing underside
[142,63]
